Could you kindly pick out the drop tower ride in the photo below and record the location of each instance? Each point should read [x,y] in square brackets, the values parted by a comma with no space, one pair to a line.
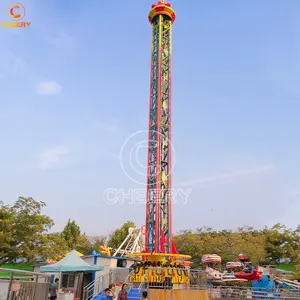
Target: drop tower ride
[158,235]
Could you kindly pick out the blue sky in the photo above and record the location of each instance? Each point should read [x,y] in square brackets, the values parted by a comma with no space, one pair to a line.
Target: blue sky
[74,88]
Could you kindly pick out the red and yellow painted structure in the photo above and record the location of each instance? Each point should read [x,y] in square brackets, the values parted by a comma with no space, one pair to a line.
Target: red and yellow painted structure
[159,245]
[158,237]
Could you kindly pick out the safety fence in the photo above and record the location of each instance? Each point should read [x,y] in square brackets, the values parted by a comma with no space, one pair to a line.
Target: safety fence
[235,292]
[24,285]
[172,279]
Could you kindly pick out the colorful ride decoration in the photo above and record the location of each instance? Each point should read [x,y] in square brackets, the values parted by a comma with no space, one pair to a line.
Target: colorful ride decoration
[234,265]
[243,257]
[229,277]
[105,250]
[213,274]
[159,275]
[211,259]
[255,275]
[157,267]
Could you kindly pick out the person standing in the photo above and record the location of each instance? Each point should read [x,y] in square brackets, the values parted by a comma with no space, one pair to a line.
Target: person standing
[123,293]
[54,290]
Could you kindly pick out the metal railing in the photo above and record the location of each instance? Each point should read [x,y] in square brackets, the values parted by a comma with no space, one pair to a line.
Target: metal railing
[24,285]
[168,276]
[98,285]
[144,285]
[161,278]
[236,292]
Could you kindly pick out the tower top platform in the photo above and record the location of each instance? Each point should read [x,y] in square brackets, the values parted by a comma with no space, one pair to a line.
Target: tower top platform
[162,8]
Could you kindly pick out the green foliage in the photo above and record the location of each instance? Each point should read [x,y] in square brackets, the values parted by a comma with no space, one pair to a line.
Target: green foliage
[53,246]
[16,267]
[119,235]
[262,247]
[285,267]
[22,230]
[24,234]
[71,234]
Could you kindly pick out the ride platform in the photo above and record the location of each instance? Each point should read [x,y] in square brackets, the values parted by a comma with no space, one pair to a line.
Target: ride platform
[160,269]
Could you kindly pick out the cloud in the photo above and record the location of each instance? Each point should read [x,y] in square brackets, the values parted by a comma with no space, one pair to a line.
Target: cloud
[52,157]
[49,88]
[228,176]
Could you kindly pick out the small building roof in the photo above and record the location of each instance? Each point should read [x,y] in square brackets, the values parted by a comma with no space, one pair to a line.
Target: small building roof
[105,256]
[71,263]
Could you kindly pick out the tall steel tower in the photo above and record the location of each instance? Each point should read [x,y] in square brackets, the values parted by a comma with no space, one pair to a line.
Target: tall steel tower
[158,236]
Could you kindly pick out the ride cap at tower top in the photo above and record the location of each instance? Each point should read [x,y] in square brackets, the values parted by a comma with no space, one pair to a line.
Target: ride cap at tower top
[162,8]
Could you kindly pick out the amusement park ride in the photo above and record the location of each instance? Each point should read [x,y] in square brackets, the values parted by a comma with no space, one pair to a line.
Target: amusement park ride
[133,243]
[236,272]
[159,247]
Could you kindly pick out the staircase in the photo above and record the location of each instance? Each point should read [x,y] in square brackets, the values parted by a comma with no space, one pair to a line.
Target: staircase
[93,290]
[134,294]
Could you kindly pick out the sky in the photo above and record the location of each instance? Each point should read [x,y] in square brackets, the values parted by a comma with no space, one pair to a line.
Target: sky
[74,98]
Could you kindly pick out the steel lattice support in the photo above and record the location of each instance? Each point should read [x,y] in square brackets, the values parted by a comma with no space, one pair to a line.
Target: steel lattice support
[158,237]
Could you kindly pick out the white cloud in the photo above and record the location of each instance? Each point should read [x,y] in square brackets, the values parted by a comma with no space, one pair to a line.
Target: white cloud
[52,157]
[49,88]
[228,176]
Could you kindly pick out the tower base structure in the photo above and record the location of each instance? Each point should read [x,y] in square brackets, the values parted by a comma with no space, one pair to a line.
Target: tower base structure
[160,270]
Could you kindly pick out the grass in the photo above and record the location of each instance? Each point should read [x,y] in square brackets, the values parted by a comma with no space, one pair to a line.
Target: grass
[285,267]
[15,267]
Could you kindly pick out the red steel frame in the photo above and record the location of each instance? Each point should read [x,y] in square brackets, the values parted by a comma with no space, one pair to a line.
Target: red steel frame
[158,235]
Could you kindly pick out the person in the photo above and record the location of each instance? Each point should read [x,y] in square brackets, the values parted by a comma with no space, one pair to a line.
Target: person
[54,289]
[144,295]
[112,289]
[106,294]
[250,268]
[123,293]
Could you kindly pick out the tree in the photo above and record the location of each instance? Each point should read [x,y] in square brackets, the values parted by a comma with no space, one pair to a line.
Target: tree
[280,242]
[84,245]
[225,243]
[118,236]
[54,247]
[97,242]
[71,234]
[22,230]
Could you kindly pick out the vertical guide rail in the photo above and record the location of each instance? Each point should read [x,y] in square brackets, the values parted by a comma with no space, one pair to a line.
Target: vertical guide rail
[152,171]
[165,145]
